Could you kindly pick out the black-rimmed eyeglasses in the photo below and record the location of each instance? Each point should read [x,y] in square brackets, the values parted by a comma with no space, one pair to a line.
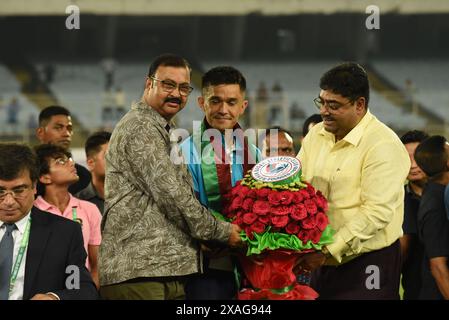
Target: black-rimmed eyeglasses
[332,105]
[169,86]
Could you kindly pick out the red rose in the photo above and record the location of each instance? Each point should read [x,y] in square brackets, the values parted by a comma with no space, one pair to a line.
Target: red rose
[321,221]
[230,215]
[308,223]
[286,197]
[297,197]
[252,193]
[299,212]
[274,198]
[249,218]
[261,207]
[310,189]
[304,236]
[292,228]
[264,219]
[315,235]
[279,221]
[321,201]
[310,206]
[240,191]
[304,194]
[280,210]
[238,221]
[258,227]
[235,191]
[247,204]
[249,232]
[262,194]
[236,204]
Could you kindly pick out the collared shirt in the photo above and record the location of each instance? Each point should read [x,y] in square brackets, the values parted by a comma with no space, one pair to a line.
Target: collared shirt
[363,177]
[151,217]
[17,234]
[90,194]
[88,214]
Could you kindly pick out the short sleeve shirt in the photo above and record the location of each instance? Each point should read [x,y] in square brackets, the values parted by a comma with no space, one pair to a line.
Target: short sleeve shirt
[86,213]
[433,229]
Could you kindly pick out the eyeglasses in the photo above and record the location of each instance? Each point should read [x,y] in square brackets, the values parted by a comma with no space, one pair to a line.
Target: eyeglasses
[63,161]
[18,193]
[169,86]
[334,106]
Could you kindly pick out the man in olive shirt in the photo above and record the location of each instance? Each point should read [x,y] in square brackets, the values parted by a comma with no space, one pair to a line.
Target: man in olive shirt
[152,220]
[360,165]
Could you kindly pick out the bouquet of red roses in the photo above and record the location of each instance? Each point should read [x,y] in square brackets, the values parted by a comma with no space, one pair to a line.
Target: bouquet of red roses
[281,219]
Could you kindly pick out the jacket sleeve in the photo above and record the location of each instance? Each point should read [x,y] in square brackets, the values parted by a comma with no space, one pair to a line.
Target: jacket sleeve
[155,173]
[85,289]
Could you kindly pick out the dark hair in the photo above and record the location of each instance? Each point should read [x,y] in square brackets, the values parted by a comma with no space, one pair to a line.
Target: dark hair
[95,141]
[14,158]
[414,136]
[431,156]
[348,79]
[314,118]
[167,60]
[46,114]
[45,152]
[279,129]
[223,75]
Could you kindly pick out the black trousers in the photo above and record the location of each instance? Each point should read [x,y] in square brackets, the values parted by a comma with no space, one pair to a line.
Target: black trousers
[372,276]
[212,285]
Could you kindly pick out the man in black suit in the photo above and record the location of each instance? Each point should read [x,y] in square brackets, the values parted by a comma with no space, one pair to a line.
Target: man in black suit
[41,255]
[55,127]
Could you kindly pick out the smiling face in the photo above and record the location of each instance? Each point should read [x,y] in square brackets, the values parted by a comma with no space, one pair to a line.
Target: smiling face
[343,116]
[167,103]
[223,105]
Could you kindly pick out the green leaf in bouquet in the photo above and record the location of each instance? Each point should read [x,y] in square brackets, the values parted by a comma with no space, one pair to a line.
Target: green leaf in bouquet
[275,240]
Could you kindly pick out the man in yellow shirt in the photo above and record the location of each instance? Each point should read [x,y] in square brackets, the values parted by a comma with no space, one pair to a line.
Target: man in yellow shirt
[360,165]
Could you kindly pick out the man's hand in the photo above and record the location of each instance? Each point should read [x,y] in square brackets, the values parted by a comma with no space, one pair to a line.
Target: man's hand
[309,262]
[234,239]
[43,296]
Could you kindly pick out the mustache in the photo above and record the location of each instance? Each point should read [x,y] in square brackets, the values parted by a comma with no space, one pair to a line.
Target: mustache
[328,118]
[173,100]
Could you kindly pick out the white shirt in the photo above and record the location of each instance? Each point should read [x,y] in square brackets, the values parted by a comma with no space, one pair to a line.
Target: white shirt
[17,234]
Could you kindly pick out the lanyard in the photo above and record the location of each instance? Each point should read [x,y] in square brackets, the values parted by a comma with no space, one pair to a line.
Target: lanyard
[22,248]
[75,217]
